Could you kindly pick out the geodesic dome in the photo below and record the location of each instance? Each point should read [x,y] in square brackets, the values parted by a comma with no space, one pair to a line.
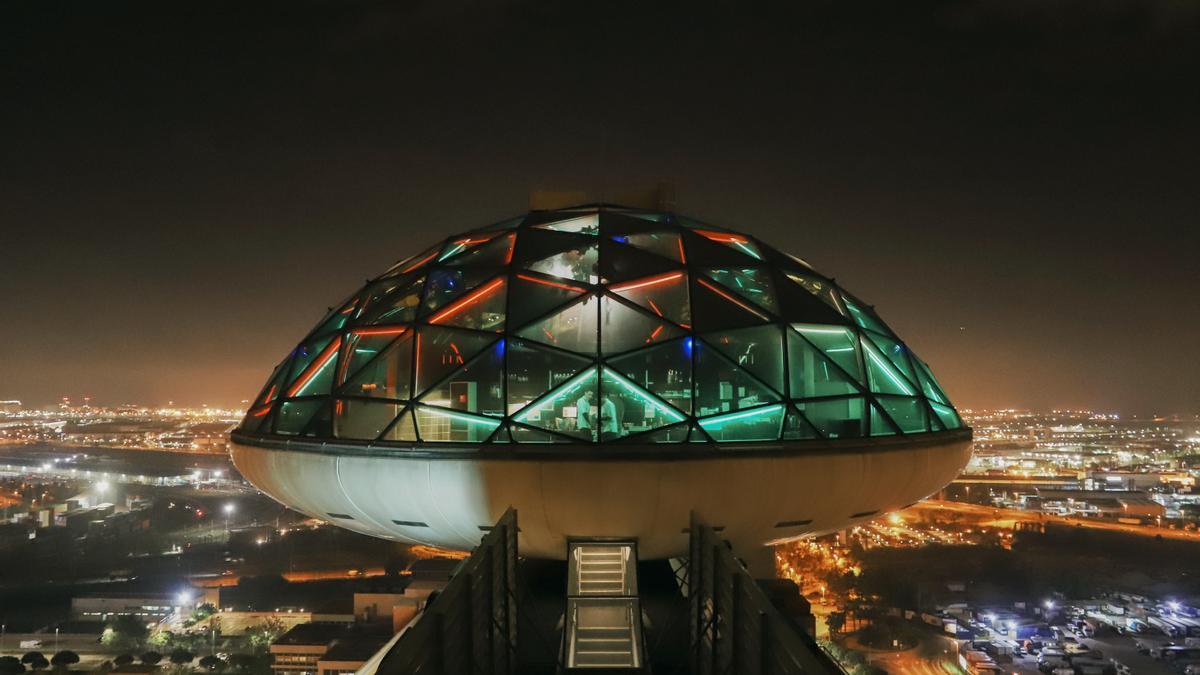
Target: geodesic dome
[600,324]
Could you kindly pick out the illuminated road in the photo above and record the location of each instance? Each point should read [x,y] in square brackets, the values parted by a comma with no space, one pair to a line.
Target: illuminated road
[999,516]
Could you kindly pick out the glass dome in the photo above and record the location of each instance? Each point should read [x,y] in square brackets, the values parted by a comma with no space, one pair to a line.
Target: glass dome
[600,324]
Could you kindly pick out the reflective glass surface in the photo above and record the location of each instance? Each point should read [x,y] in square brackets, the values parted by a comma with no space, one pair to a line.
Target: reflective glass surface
[596,325]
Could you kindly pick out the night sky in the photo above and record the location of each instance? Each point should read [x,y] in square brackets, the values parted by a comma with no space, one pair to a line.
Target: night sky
[1013,183]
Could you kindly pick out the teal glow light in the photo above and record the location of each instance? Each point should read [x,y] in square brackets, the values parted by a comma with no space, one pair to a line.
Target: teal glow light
[566,389]
[717,422]
[470,419]
[888,369]
[666,410]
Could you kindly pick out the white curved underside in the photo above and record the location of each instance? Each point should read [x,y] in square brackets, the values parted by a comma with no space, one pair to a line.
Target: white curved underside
[444,502]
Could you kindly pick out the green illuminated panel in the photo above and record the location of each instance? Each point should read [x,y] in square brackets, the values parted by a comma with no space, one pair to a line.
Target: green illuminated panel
[571,409]
[626,408]
[756,424]
[883,376]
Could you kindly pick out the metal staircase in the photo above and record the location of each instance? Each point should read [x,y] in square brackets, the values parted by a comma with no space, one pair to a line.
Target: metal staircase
[603,617]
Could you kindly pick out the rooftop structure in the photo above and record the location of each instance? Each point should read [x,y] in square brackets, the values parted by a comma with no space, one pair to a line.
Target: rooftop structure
[611,369]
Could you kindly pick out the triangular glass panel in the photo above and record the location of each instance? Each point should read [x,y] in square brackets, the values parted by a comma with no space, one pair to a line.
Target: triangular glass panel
[881,423]
[293,416]
[579,264]
[258,419]
[758,349]
[626,408]
[620,263]
[440,425]
[363,345]
[573,328]
[882,374]
[303,356]
[274,386]
[623,328]
[414,263]
[665,244]
[811,374]
[723,387]
[896,352]
[586,224]
[702,252]
[697,435]
[665,370]
[933,390]
[317,376]
[714,308]
[441,351]
[531,297]
[448,284]
[737,242]
[379,371]
[796,428]
[825,290]
[337,318]
[533,371]
[838,343]
[400,306]
[466,242]
[495,253]
[749,283]
[836,417]
[403,429]
[363,419]
[476,388]
[755,424]
[799,306]
[501,436]
[908,413]
[947,415]
[665,295]
[863,315]
[570,409]
[676,433]
[481,309]
[935,422]
[321,424]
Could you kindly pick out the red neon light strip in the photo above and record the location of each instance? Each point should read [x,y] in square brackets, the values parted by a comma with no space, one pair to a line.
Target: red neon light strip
[418,264]
[646,282]
[654,306]
[269,395]
[656,332]
[682,258]
[461,304]
[381,331]
[512,244]
[723,237]
[265,409]
[313,368]
[732,299]
[565,287]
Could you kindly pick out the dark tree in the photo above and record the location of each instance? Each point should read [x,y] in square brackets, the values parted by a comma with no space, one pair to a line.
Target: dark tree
[123,659]
[11,665]
[181,657]
[151,658]
[64,658]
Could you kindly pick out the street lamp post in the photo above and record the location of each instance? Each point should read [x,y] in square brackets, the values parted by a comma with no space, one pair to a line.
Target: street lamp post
[228,512]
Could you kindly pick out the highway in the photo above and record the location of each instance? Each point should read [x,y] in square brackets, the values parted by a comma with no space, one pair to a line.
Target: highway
[1000,517]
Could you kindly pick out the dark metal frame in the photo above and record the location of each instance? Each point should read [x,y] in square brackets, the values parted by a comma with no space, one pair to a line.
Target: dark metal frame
[471,626]
[735,629]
